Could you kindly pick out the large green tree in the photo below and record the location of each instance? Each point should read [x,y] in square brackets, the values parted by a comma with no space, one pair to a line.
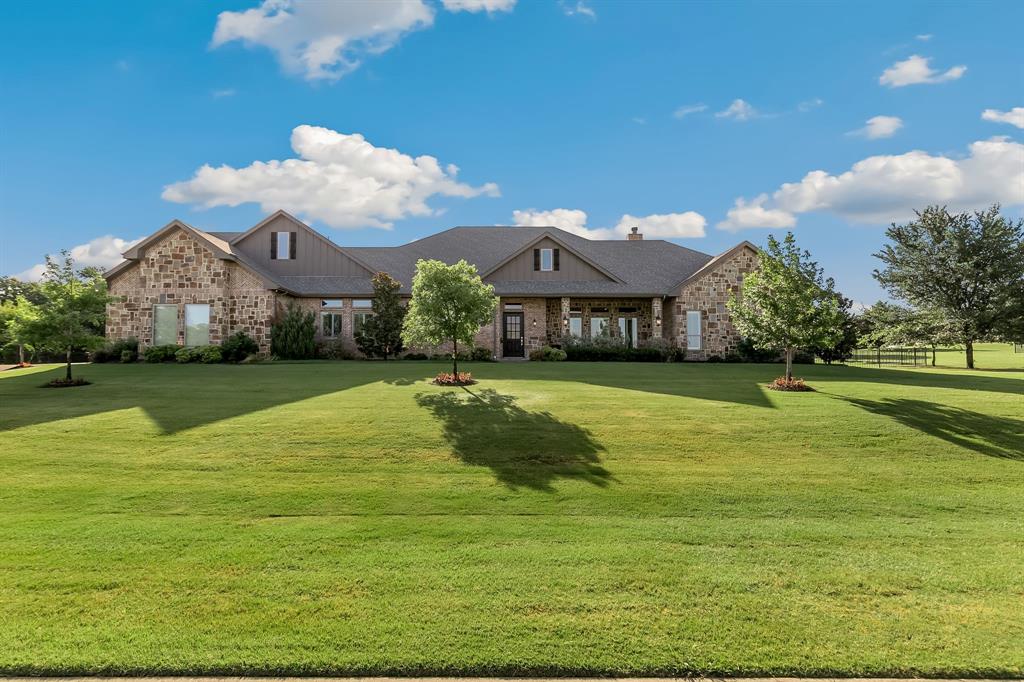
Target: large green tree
[891,324]
[17,322]
[449,304]
[966,267]
[786,303]
[75,309]
[381,334]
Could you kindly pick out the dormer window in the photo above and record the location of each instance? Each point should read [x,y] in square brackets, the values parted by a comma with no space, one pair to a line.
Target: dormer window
[282,246]
[545,260]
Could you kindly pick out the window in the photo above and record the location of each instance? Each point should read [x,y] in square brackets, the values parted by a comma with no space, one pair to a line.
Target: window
[627,330]
[282,245]
[197,325]
[330,325]
[575,326]
[692,330]
[598,327]
[358,320]
[330,303]
[362,303]
[547,260]
[513,306]
[165,324]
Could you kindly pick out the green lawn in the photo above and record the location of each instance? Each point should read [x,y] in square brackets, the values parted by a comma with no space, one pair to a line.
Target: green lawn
[350,518]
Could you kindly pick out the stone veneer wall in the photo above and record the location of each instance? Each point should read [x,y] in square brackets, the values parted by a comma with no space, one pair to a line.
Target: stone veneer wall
[644,313]
[180,270]
[709,294]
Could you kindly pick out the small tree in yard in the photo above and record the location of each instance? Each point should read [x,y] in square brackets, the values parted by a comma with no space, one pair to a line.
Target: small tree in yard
[786,303]
[17,319]
[848,339]
[381,334]
[968,268]
[74,312]
[449,303]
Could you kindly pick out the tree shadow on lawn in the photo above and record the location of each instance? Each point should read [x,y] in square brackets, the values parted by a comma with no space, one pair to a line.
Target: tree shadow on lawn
[962,380]
[175,397]
[528,449]
[985,434]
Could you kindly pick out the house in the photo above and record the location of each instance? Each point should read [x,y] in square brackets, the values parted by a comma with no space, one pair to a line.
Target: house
[185,286]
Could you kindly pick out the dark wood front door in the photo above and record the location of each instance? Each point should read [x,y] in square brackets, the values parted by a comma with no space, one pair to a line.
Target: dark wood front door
[512,343]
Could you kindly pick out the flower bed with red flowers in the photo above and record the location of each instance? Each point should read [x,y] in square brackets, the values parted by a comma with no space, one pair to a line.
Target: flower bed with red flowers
[450,379]
[65,383]
[782,384]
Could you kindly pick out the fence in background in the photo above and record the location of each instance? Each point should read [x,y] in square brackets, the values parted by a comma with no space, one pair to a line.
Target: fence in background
[891,356]
[1018,348]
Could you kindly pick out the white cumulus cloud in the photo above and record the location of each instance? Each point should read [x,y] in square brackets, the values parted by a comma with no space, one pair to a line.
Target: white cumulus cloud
[655,226]
[103,252]
[739,110]
[474,6]
[915,70]
[323,40]
[878,127]
[882,189]
[342,180]
[1014,117]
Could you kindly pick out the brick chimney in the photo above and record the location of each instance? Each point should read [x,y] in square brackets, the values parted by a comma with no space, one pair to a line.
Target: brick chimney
[634,235]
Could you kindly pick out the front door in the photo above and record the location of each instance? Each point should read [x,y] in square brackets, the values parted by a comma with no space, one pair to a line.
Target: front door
[512,344]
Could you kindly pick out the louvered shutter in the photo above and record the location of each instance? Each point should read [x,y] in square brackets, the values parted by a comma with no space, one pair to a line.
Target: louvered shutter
[536,260]
[555,258]
[291,244]
[273,246]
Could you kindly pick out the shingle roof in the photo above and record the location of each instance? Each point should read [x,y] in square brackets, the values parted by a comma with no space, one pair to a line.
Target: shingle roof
[645,267]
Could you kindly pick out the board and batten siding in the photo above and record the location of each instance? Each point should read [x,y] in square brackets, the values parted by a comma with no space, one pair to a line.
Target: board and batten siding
[571,268]
[314,255]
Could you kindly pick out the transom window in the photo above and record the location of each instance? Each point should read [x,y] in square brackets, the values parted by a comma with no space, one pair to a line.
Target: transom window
[330,325]
[330,303]
[197,325]
[513,306]
[547,260]
[362,303]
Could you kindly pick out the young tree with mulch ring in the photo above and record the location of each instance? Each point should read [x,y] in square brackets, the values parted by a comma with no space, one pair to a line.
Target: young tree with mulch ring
[75,309]
[449,304]
[787,303]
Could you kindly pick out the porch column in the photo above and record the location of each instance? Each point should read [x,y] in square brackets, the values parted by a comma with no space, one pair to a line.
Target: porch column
[656,319]
[563,320]
[497,332]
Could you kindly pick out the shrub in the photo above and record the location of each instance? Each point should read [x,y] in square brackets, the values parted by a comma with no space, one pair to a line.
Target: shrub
[481,354]
[209,355]
[415,356]
[160,353]
[128,357]
[184,355]
[548,354]
[333,350]
[115,350]
[675,354]
[293,337]
[611,349]
[238,347]
[748,353]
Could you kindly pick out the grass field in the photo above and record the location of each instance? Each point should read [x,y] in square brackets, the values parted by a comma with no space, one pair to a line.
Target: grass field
[350,518]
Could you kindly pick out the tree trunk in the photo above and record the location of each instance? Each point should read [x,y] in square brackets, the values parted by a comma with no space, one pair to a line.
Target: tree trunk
[69,364]
[970,353]
[455,358]
[933,356]
[789,364]
[21,354]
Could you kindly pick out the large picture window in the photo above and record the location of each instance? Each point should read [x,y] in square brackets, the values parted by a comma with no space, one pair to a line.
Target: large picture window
[598,327]
[330,325]
[575,326]
[693,330]
[197,325]
[359,318]
[165,324]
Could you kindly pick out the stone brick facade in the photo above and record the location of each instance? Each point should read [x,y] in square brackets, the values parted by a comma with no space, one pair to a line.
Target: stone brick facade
[586,308]
[709,294]
[180,270]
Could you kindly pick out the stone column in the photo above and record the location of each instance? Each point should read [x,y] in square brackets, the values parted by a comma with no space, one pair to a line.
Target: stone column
[563,326]
[655,317]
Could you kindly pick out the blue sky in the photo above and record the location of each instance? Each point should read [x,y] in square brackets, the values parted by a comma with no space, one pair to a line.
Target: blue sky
[592,116]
